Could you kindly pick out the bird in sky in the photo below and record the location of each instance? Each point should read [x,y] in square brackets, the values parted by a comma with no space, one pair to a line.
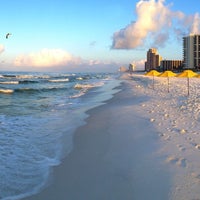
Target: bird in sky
[7,35]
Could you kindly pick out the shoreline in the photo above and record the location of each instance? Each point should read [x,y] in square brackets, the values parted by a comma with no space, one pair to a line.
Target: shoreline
[114,157]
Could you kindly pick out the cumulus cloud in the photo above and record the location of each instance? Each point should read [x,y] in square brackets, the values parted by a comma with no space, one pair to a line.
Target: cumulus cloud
[58,59]
[46,58]
[2,48]
[195,27]
[156,21]
[139,64]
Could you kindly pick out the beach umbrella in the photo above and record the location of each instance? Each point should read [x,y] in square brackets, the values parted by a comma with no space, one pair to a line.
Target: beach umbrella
[197,76]
[187,74]
[168,74]
[152,73]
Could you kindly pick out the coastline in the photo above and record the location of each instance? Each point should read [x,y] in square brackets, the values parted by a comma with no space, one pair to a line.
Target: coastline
[114,157]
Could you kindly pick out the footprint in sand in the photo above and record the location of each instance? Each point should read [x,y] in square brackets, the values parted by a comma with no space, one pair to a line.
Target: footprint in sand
[181,148]
[197,176]
[165,136]
[168,138]
[180,162]
[197,146]
[161,134]
[189,138]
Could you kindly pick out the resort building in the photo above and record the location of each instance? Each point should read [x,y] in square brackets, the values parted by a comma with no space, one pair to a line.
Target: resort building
[153,59]
[171,65]
[131,67]
[191,51]
[123,69]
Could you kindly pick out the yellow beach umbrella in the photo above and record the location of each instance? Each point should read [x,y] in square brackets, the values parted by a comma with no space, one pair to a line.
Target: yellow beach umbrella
[187,74]
[152,73]
[168,74]
[197,76]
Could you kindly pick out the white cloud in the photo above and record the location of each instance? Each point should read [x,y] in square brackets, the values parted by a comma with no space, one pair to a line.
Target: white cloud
[46,58]
[156,21]
[59,60]
[195,28]
[139,64]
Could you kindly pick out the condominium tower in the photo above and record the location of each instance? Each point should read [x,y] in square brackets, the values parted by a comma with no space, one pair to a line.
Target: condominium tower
[191,51]
[153,59]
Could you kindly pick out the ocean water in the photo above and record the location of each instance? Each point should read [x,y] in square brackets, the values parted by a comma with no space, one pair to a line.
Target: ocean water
[39,113]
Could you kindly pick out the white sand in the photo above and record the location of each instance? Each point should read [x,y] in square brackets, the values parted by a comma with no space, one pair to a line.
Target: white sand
[143,144]
[176,117]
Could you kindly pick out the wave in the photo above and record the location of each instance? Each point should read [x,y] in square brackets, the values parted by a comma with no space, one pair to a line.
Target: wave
[28,76]
[83,86]
[35,90]
[87,86]
[9,76]
[59,80]
[79,78]
[9,82]
[6,91]
[17,82]
[28,81]
[25,76]
[77,95]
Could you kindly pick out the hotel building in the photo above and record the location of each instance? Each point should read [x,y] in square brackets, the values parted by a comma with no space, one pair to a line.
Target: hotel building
[131,67]
[153,59]
[191,51]
[171,65]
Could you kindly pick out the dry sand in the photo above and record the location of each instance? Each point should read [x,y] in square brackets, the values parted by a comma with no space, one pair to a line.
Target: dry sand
[114,157]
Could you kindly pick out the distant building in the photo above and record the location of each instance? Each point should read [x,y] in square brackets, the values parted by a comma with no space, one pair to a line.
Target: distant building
[131,67]
[171,65]
[191,52]
[123,69]
[153,59]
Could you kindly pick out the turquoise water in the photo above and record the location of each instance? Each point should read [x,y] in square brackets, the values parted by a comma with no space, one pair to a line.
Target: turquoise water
[38,115]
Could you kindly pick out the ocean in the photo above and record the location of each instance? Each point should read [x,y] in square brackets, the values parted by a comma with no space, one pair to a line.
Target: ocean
[39,113]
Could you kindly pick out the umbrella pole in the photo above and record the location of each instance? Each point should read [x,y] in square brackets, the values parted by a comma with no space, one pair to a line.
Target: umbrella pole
[153,82]
[188,86]
[168,83]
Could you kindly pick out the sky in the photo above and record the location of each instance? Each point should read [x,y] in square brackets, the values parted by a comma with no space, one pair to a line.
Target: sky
[86,35]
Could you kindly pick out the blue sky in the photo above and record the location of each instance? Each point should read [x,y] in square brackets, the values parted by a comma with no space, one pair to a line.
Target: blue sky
[90,35]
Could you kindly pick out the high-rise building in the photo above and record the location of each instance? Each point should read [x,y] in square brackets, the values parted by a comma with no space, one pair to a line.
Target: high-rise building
[131,67]
[153,59]
[191,51]
[171,65]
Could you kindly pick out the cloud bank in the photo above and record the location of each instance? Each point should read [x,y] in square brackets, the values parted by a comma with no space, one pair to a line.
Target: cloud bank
[46,58]
[58,59]
[156,21]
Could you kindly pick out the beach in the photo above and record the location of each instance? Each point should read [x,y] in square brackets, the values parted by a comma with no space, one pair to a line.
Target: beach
[141,144]
[114,157]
